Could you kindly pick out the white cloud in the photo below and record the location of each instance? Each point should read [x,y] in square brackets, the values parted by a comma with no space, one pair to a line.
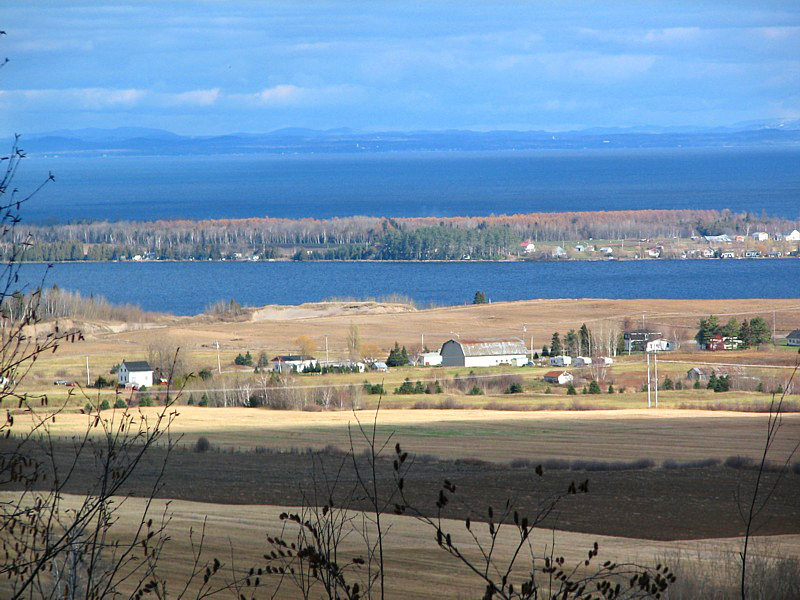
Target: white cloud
[194,98]
[288,95]
[86,98]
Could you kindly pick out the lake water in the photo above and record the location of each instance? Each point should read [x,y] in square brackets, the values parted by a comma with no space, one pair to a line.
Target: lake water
[187,288]
[438,184]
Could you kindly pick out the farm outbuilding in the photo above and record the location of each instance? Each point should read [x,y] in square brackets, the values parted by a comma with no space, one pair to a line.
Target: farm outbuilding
[559,377]
[291,362]
[484,353]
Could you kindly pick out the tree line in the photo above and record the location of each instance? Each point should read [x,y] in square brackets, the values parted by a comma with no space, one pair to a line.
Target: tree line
[363,238]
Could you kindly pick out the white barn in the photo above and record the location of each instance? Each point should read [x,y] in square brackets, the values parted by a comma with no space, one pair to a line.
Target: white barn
[135,372]
[484,353]
[430,359]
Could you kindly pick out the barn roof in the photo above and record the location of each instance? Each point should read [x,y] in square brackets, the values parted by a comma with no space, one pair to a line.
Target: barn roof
[492,347]
[135,366]
[292,358]
[555,373]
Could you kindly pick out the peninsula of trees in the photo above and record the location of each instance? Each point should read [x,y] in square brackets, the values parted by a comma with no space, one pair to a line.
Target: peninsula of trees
[624,234]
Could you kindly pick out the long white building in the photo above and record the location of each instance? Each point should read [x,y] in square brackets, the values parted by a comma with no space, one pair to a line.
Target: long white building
[484,353]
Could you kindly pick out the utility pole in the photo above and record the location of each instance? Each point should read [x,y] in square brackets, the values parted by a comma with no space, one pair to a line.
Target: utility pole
[219,362]
[649,381]
[327,357]
[88,381]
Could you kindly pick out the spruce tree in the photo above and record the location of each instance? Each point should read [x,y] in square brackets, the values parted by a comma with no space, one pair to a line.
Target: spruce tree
[555,345]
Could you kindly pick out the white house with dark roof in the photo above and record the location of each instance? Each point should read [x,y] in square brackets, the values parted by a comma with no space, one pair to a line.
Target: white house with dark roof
[135,372]
[291,362]
[793,339]
[484,352]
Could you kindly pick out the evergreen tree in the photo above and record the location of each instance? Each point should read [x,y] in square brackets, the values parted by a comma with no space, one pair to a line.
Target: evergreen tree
[759,331]
[585,340]
[668,383]
[398,357]
[744,333]
[706,329]
[480,298]
[555,345]
[712,381]
[594,387]
[545,351]
[610,389]
[731,328]
[571,390]
[571,343]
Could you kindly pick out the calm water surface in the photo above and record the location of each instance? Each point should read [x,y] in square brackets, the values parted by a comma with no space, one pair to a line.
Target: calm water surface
[187,288]
[438,184]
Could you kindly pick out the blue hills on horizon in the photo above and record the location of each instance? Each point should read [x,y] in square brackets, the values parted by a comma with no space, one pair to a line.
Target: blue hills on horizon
[141,141]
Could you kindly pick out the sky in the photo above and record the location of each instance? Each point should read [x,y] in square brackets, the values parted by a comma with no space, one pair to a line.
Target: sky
[215,67]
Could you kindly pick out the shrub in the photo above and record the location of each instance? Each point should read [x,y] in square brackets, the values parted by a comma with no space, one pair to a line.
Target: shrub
[203,400]
[145,401]
[571,390]
[102,382]
[514,388]
[202,444]
[739,462]
[475,391]
[104,405]
[690,464]
[610,389]
[88,407]
[120,403]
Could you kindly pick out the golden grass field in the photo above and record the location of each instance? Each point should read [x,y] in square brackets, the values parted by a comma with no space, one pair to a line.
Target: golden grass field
[498,436]
[415,567]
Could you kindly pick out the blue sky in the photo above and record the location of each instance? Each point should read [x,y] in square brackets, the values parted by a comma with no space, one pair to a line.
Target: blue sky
[244,66]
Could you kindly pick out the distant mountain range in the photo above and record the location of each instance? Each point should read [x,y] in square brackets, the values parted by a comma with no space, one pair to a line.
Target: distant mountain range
[137,141]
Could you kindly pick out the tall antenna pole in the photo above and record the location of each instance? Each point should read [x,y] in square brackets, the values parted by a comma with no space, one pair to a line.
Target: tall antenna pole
[649,381]
[655,364]
[219,363]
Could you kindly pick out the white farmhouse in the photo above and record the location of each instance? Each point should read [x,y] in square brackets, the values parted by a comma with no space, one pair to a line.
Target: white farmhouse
[760,236]
[793,237]
[582,361]
[484,353]
[135,372]
[292,362]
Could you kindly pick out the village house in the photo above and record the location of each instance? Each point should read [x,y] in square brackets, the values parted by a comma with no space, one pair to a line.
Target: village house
[528,247]
[429,359]
[793,339]
[559,252]
[727,255]
[582,361]
[559,377]
[607,250]
[135,373]
[752,254]
[709,253]
[760,236]
[719,342]
[580,248]
[654,252]
[660,345]
[291,362]
[717,239]
[794,236]
[635,340]
[484,352]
